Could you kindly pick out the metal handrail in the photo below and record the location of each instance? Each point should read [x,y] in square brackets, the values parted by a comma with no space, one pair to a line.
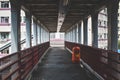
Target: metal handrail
[7,45]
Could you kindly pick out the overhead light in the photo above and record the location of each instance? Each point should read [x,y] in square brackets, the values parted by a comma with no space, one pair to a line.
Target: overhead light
[62,13]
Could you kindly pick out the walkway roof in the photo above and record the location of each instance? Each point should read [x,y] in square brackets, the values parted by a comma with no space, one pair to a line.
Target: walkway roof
[69,11]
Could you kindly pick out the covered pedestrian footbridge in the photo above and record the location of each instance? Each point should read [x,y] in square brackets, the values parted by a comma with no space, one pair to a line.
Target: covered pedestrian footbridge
[39,61]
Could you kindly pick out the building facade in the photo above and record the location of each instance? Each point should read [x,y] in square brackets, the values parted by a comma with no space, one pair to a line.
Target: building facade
[102,29]
[5,21]
[5,25]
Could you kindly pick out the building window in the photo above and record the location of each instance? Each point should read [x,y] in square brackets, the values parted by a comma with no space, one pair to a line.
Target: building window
[24,19]
[118,28]
[4,4]
[118,35]
[4,19]
[105,35]
[105,23]
[99,22]
[4,35]
[100,36]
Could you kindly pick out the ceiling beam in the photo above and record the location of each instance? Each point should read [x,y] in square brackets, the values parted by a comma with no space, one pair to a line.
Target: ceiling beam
[46,14]
[37,10]
[44,11]
[41,2]
[43,7]
[83,2]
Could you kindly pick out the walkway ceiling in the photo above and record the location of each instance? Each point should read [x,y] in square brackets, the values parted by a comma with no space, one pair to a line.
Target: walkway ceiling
[47,11]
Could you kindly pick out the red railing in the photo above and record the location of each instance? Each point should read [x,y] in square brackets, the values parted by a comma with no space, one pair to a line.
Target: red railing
[105,62]
[18,65]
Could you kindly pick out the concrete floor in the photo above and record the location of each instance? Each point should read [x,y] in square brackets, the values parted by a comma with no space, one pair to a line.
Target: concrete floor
[57,65]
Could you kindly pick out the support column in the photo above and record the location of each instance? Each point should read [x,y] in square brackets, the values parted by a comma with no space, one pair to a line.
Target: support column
[43,34]
[15,34]
[79,33]
[28,30]
[75,33]
[112,8]
[39,34]
[34,32]
[15,29]
[65,36]
[85,31]
[47,36]
[68,36]
[71,36]
[95,30]
[113,25]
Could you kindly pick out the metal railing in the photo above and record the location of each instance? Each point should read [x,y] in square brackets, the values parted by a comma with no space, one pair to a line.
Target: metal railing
[19,64]
[8,44]
[105,62]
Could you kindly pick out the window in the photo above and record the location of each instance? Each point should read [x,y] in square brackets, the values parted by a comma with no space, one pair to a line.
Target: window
[118,35]
[4,4]
[4,19]
[24,18]
[99,22]
[105,35]
[4,35]
[100,36]
[105,23]
[118,28]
